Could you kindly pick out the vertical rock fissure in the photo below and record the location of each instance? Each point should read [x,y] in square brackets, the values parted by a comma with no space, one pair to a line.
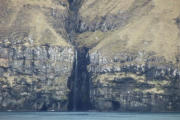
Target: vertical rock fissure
[79,80]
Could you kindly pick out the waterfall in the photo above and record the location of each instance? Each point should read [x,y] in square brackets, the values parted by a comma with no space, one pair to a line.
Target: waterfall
[78,82]
[75,87]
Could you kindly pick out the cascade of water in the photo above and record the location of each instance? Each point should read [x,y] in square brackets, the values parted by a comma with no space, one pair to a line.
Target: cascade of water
[75,87]
[79,80]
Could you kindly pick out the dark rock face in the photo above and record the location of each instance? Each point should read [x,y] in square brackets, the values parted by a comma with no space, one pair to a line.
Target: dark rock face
[178,22]
[79,82]
[35,78]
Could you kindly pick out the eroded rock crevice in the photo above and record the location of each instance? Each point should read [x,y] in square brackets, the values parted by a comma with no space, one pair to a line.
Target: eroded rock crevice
[79,79]
[79,82]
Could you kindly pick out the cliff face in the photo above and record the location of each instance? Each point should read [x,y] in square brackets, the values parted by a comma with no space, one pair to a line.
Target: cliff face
[35,59]
[106,55]
[35,78]
[123,84]
[134,56]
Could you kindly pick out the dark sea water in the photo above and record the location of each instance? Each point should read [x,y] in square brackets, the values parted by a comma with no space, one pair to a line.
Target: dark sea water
[87,116]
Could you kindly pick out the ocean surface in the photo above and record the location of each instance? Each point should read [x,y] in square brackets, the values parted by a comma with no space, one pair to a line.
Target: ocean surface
[87,116]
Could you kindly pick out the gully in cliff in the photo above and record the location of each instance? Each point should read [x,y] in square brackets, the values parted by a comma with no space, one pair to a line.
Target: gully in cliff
[79,80]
